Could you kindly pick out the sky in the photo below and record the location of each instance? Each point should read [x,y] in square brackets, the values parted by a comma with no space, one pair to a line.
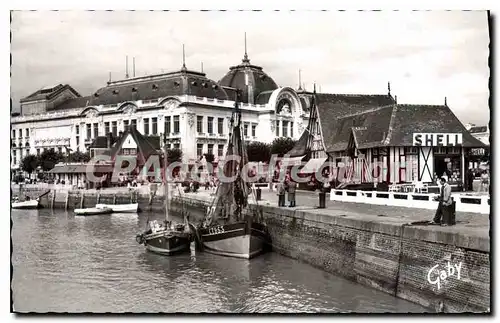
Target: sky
[425,55]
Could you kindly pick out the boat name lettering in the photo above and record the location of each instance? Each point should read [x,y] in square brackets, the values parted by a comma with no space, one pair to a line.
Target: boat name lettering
[217,229]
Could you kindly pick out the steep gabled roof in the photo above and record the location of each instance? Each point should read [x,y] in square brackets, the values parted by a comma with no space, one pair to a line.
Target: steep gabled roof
[146,146]
[334,106]
[412,118]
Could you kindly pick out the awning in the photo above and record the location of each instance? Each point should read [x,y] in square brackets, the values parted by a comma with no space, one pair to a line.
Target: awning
[313,165]
[291,161]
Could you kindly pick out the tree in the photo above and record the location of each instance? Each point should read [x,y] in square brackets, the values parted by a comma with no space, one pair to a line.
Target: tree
[49,158]
[282,145]
[209,157]
[29,163]
[258,152]
[174,155]
[78,157]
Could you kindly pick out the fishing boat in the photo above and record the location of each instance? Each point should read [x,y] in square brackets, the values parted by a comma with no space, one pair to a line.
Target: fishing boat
[93,211]
[27,204]
[166,238]
[120,208]
[229,227]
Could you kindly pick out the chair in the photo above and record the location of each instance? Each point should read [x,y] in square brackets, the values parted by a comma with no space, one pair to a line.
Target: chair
[394,188]
[418,186]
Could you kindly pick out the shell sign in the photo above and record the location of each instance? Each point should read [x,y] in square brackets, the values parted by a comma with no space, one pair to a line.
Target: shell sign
[437,139]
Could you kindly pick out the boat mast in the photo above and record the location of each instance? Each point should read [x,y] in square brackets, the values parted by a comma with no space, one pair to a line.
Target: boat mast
[165,164]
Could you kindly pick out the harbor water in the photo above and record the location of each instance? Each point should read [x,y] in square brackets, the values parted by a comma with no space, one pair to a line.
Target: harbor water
[63,263]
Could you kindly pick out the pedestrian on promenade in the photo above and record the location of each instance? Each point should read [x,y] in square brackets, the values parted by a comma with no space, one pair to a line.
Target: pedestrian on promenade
[470,180]
[281,194]
[292,186]
[444,211]
[485,180]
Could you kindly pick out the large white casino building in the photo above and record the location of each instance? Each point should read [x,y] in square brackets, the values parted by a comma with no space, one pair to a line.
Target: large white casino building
[191,109]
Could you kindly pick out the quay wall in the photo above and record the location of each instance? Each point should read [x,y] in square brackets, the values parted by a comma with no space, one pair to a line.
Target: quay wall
[374,251]
[381,254]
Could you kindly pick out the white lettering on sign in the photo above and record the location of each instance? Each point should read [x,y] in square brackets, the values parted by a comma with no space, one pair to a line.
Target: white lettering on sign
[437,139]
[436,276]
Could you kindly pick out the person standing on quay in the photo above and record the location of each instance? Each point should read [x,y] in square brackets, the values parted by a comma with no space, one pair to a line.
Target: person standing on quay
[281,194]
[443,212]
[292,186]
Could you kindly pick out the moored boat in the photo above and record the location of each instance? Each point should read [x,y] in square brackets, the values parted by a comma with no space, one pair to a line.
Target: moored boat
[230,228]
[93,211]
[167,238]
[28,204]
[120,208]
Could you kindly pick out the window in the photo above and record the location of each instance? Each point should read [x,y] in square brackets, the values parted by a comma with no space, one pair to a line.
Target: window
[291,128]
[89,131]
[245,129]
[210,124]
[38,151]
[220,150]
[199,124]
[114,128]
[106,128]
[77,142]
[146,126]
[211,149]
[27,132]
[167,125]
[96,130]
[177,146]
[20,154]
[277,128]
[439,150]
[129,151]
[411,150]
[284,131]
[220,126]
[125,124]
[253,130]
[20,133]
[176,124]
[199,150]
[154,122]
[77,129]
[133,123]
[15,158]
[59,149]
[27,152]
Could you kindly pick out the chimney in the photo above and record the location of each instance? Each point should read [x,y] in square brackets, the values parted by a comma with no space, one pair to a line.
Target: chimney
[109,139]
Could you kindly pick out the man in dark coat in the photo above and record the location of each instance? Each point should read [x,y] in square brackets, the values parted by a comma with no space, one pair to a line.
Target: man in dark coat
[444,211]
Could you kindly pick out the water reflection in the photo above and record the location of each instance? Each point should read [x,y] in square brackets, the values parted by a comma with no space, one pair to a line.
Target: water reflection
[65,263]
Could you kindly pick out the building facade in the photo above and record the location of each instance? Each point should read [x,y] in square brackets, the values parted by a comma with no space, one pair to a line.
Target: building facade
[372,139]
[192,110]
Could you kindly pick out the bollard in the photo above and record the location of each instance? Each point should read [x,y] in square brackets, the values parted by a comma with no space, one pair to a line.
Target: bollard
[259,194]
[322,200]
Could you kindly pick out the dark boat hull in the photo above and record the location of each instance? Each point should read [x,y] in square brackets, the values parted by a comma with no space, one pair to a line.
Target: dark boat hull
[240,240]
[167,242]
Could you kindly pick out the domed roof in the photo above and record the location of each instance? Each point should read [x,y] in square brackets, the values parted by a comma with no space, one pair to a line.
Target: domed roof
[158,86]
[248,78]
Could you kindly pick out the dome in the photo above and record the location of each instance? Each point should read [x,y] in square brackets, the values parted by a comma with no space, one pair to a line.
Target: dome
[248,78]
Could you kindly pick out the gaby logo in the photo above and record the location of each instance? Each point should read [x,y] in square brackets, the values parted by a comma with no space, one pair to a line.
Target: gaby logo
[435,276]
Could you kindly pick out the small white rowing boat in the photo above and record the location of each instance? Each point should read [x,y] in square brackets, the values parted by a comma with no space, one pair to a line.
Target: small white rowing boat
[93,211]
[120,208]
[30,204]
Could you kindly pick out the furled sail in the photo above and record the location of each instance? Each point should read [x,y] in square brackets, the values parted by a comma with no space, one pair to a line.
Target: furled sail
[232,192]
